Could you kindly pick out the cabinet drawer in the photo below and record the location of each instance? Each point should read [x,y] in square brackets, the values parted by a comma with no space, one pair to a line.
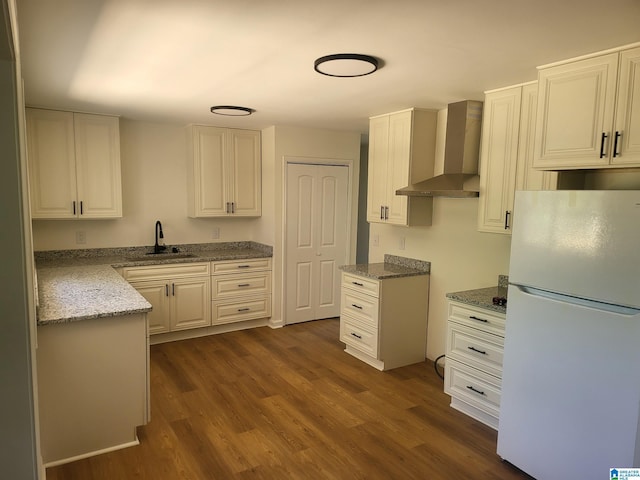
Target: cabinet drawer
[362,307]
[473,387]
[233,266]
[361,284]
[475,348]
[229,311]
[479,318]
[226,286]
[155,272]
[353,333]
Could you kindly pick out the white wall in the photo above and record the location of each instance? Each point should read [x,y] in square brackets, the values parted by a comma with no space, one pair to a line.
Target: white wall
[278,143]
[154,187]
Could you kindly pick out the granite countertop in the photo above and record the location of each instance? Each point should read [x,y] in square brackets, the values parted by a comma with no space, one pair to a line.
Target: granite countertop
[78,285]
[67,294]
[393,267]
[483,297]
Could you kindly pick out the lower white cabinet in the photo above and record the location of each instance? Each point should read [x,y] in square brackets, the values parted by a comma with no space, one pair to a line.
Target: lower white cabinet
[240,290]
[384,322]
[473,370]
[178,293]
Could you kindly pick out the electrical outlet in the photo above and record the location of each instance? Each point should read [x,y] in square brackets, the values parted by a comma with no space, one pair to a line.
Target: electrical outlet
[375,240]
[215,234]
[81,237]
[402,243]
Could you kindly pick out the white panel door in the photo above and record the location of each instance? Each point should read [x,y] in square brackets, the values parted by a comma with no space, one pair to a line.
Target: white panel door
[316,240]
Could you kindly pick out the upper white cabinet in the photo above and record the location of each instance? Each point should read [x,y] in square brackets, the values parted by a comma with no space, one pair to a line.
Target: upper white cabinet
[224,175]
[401,152]
[589,112]
[74,165]
[506,155]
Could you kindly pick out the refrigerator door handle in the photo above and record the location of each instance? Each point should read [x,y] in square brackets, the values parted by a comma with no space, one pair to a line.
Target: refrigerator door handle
[593,304]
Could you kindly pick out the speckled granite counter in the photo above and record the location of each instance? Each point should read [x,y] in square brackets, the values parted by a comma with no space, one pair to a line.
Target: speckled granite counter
[393,267]
[78,285]
[483,297]
[67,294]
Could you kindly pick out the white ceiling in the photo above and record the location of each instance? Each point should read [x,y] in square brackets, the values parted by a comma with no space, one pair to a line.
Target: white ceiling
[170,60]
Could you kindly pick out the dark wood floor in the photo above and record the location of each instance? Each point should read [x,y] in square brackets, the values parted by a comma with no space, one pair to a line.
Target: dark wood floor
[290,404]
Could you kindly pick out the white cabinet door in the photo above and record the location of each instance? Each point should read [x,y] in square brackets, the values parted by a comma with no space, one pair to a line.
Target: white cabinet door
[97,145]
[52,166]
[576,107]
[627,124]
[378,160]
[224,172]
[190,303]
[157,294]
[246,181]
[400,125]
[74,165]
[498,157]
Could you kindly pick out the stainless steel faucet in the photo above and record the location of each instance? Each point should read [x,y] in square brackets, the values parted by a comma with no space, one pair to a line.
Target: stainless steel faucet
[157,248]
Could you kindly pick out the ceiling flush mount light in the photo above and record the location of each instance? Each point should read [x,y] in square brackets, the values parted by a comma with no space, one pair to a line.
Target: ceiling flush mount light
[231,110]
[346,65]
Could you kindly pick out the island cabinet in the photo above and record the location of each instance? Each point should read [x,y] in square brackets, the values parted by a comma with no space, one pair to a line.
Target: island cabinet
[240,290]
[74,165]
[223,172]
[384,322]
[589,112]
[179,294]
[401,152]
[473,368]
[507,155]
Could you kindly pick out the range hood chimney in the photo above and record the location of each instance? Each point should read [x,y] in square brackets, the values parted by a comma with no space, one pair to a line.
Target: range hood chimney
[462,149]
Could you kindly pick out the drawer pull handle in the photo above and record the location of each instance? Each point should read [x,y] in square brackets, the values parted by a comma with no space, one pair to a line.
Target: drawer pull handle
[479,319]
[356,335]
[358,284]
[479,392]
[244,266]
[244,284]
[356,306]
[476,350]
[244,309]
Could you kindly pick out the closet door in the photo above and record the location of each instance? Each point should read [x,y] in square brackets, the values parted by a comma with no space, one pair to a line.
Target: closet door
[316,240]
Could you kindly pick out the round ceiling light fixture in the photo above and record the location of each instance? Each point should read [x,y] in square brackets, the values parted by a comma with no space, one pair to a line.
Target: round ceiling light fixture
[346,65]
[231,110]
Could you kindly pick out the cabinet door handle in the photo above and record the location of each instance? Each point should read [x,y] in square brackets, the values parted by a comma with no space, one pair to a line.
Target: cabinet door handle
[356,335]
[604,137]
[173,289]
[244,284]
[244,309]
[81,208]
[381,212]
[507,219]
[479,392]
[358,284]
[74,207]
[479,319]
[244,266]
[615,144]
[166,290]
[474,349]
[356,306]
[386,213]
[233,207]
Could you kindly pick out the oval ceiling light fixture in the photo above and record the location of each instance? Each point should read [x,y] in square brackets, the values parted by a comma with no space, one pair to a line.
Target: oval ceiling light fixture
[346,65]
[231,110]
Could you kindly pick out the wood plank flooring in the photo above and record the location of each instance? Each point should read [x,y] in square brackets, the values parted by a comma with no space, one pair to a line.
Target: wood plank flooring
[290,404]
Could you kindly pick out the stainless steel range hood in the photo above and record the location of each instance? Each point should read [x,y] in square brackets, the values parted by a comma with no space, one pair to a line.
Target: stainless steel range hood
[462,150]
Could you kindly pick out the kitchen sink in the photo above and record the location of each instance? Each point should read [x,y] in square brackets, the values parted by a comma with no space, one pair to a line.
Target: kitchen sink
[160,256]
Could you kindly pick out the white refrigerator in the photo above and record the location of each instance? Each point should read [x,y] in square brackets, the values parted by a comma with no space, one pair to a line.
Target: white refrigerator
[570,405]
